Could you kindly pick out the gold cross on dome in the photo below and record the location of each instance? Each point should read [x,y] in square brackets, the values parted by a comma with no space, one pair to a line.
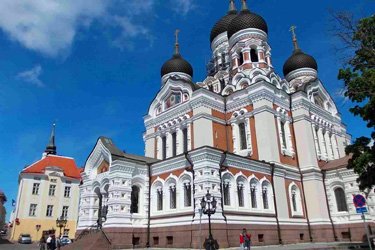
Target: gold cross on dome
[176,34]
[293,30]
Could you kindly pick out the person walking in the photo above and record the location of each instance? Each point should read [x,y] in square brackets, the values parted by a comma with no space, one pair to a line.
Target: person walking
[245,240]
[42,243]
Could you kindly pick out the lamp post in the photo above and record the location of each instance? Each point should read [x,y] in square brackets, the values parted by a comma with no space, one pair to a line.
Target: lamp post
[208,205]
[61,222]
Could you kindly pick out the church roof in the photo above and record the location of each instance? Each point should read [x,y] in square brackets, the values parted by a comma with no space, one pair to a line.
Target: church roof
[337,164]
[119,154]
[66,164]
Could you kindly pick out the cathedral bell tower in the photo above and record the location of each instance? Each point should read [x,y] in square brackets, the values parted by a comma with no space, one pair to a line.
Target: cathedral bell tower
[249,49]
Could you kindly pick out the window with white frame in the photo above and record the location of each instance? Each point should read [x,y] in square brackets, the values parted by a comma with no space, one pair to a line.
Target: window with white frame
[253,192]
[64,213]
[36,188]
[49,211]
[172,196]
[285,136]
[295,200]
[134,207]
[67,192]
[164,147]
[159,194]
[32,210]
[226,189]
[340,200]
[185,139]
[52,189]
[187,194]
[241,133]
[266,195]
[240,192]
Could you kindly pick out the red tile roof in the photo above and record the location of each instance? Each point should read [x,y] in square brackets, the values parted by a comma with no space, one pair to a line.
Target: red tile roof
[68,165]
[337,164]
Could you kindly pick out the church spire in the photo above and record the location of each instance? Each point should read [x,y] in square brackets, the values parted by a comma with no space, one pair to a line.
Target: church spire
[232,7]
[51,147]
[176,46]
[294,37]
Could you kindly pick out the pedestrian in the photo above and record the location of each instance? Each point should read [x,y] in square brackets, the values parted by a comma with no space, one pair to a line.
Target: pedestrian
[245,240]
[42,243]
[52,243]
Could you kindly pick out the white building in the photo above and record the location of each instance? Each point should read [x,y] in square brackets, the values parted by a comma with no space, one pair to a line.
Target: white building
[271,150]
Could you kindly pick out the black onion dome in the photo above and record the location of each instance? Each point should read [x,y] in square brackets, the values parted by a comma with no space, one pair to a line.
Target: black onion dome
[221,26]
[299,60]
[245,20]
[176,64]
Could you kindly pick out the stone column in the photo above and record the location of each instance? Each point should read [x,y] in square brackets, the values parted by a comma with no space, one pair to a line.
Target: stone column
[180,141]
[159,148]
[334,146]
[328,144]
[169,145]
[323,149]
[316,140]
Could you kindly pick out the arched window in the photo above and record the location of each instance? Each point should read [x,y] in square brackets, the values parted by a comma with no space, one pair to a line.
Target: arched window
[243,142]
[265,190]
[159,193]
[294,198]
[283,136]
[226,189]
[254,55]
[341,200]
[134,207]
[172,196]
[187,194]
[241,202]
[253,193]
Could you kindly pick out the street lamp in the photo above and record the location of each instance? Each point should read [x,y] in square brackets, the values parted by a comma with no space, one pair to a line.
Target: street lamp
[61,222]
[208,205]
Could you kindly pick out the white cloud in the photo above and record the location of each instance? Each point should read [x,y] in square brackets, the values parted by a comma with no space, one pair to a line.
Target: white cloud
[50,26]
[183,6]
[47,26]
[32,76]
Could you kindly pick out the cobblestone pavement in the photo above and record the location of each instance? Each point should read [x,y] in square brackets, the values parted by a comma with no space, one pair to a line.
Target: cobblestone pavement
[17,246]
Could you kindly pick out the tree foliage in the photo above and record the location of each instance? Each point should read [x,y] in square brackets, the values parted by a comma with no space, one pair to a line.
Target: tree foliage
[359,79]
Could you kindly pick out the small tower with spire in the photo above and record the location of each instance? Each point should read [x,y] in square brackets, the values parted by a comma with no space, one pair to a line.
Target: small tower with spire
[51,147]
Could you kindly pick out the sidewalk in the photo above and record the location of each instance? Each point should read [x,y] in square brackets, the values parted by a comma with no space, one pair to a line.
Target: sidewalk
[301,246]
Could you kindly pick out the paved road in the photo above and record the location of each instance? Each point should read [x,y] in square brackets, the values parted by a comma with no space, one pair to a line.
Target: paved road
[17,246]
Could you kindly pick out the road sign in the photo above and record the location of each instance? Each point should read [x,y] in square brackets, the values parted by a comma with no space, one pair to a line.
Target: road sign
[361,210]
[359,200]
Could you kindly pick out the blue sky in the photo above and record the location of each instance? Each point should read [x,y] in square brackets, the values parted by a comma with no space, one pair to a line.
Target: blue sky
[94,66]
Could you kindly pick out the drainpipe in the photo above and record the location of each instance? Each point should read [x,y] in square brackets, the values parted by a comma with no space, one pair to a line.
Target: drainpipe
[187,156]
[274,201]
[301,176]
[149,206]
[324,172]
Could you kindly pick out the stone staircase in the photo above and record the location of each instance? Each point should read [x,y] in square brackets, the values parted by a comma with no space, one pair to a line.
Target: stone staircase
[90,238]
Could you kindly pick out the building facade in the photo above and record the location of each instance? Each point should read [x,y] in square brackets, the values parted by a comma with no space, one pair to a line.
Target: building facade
[271,149]
[48,189]
[3,212]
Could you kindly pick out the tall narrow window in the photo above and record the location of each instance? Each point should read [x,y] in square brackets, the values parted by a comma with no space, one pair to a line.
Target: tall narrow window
[64,213]
[164,147]
[185,133]
[253,196]
[49,210]
[294,200]
[160,199]
[187,194]
[265,197]
[134,200]
[172,196]
[36,188]
[243,142]
[240,195]
[52,189]
[174,144]
[340,200]
[240,59]
[283,136]
[67,192]
[254,55]
[32,209]
[226,194]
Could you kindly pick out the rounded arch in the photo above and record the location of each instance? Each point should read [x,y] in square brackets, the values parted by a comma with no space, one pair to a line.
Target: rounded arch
[267,194]
[340,198]
[295,199]
[228,186]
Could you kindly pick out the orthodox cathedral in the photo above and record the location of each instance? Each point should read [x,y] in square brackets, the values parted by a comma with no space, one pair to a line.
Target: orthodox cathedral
[269,148]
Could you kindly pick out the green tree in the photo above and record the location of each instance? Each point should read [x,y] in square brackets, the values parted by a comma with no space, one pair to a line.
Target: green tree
[359,78]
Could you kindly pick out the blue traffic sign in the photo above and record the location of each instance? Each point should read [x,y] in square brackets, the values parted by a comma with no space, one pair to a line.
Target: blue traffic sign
[361,210]
[359,200]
